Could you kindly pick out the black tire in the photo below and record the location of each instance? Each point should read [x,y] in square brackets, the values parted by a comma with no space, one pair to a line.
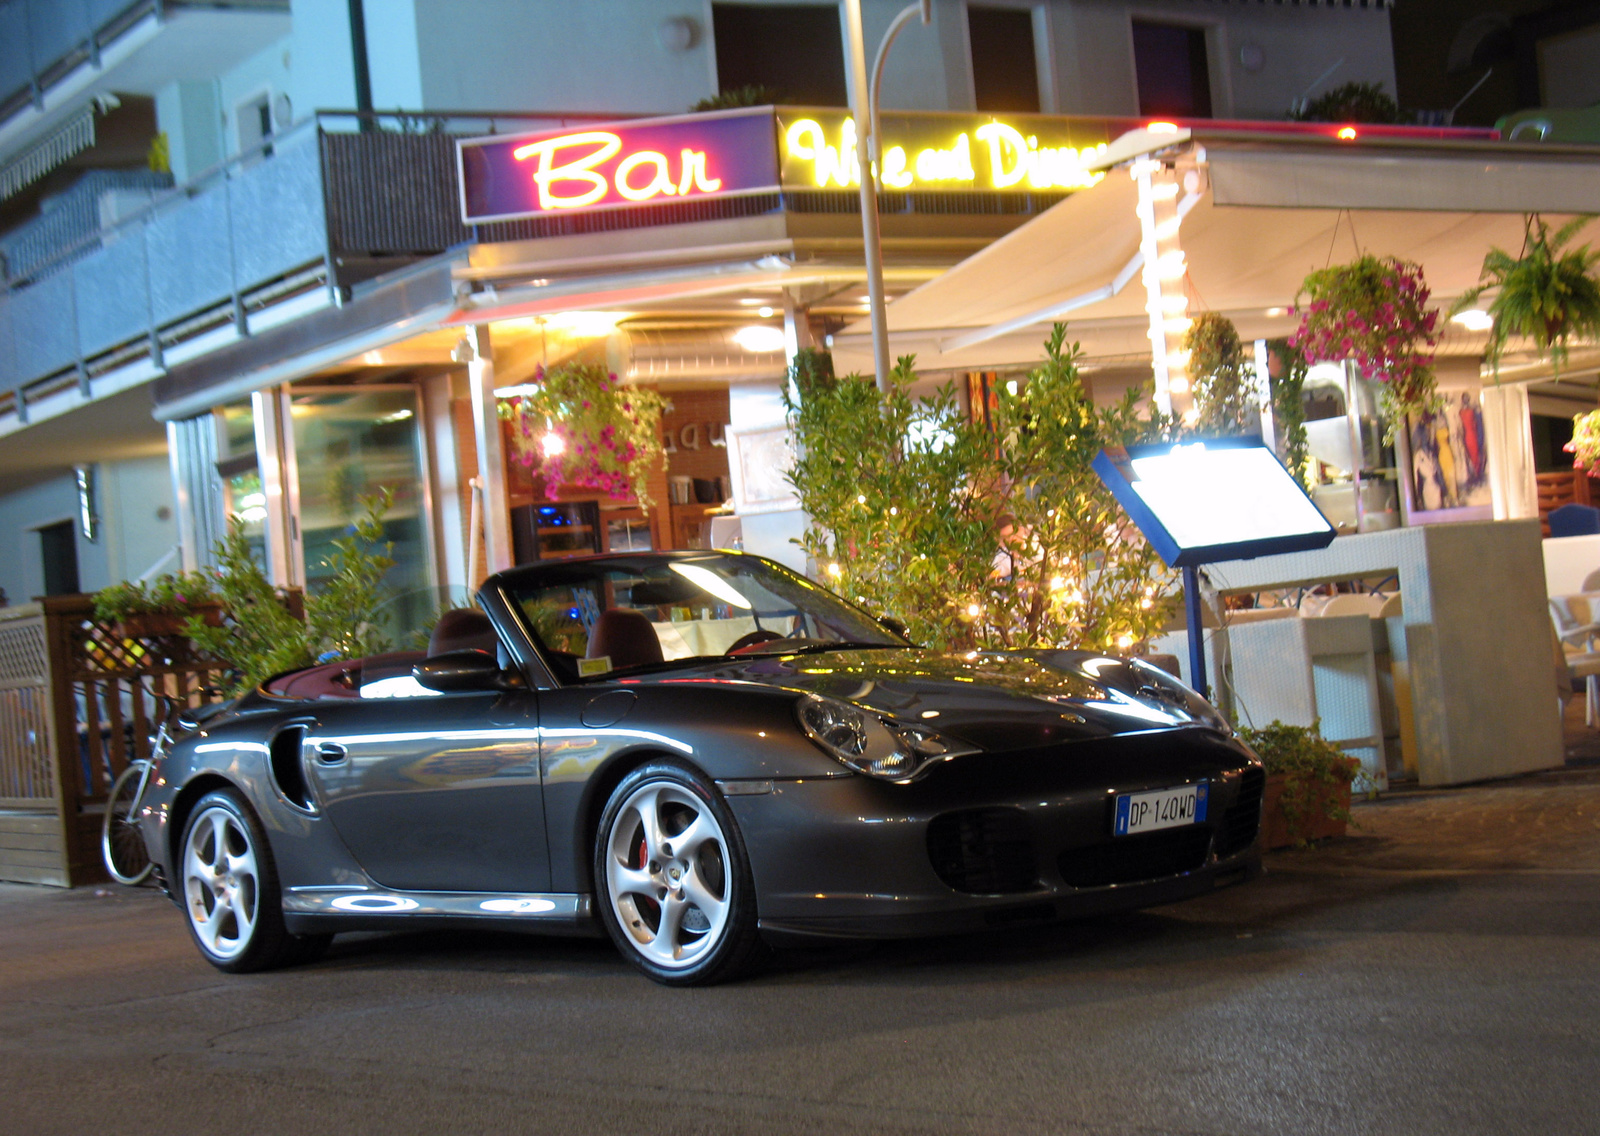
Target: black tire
[121,843]
[649,892]
[227,885]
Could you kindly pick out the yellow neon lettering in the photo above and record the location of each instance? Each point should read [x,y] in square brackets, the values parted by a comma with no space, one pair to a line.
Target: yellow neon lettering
[659,184]
[806,140]
[895,174]
[694,167]
[580,170]
[1005,141]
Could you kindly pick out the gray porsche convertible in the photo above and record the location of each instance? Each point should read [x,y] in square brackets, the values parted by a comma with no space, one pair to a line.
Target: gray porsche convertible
[697,754]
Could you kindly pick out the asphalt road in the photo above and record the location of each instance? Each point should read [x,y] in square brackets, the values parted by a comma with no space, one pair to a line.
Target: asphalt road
[1363,988]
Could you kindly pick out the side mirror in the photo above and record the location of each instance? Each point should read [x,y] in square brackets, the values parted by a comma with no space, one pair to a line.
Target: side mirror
[465,670]
[890,623]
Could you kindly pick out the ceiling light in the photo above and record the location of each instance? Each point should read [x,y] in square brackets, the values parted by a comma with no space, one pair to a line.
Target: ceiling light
[1347,133]
[1162,127]
[764,313]
[759,339]
[1274,313]
[1474,319]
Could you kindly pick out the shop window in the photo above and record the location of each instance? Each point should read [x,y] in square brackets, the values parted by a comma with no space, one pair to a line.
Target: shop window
[1169,61]
[1005,72]
[58,550]
[796,50]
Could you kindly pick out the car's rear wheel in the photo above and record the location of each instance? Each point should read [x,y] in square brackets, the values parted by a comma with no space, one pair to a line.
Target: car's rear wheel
[672,878]
[230,890]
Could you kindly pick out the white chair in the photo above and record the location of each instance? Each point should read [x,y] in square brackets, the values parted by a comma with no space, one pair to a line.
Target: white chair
[1351,604]
[1591,582]
[1576,632]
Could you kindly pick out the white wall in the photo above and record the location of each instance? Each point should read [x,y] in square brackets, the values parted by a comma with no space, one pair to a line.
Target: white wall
[137,526]
[189,116]
[268,72]
[321,69]
[22,512]
[1093,46]
[394,57]
[597,56]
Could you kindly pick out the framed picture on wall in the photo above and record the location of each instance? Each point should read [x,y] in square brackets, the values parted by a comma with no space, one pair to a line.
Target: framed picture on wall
[760,465]
[1447,478]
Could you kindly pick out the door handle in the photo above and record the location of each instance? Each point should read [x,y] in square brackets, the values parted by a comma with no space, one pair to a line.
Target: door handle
[330,754]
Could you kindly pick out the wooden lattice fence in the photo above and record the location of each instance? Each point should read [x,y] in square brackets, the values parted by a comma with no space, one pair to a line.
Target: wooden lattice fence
[78,702]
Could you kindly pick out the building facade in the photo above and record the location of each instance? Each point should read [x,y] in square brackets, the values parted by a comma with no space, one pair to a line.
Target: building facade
[238,280]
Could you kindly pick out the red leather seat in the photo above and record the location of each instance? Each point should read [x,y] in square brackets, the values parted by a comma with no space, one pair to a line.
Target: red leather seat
[626,637]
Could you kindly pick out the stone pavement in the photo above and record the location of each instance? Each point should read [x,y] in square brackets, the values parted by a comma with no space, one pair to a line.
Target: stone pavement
[1548,821]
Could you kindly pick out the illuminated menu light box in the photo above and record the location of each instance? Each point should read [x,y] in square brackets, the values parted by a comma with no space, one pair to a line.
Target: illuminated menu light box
[765,150]
[1216,499]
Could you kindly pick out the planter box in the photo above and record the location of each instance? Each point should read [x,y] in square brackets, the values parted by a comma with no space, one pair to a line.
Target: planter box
[1275,827]
[148,624]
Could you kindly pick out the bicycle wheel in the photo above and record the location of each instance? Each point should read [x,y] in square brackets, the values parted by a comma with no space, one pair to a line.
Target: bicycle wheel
[121,843]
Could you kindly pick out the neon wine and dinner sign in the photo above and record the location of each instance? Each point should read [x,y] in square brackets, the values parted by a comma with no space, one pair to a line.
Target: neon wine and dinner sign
[677,159]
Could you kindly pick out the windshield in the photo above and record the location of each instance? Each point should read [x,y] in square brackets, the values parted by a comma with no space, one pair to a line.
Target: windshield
[592,618]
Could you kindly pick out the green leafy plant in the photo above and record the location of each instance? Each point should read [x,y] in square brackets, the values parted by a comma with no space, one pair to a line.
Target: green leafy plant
[1374,311]
[1548,295]
[750,95]
[580,426]
[263,635]
[1316,773]
[978,534]
[1217,366]
[175,594]
[1286,376]
[1350,102]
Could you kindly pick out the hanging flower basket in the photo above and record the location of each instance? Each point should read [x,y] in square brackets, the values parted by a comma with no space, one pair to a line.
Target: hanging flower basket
[579,426]
[1374,311]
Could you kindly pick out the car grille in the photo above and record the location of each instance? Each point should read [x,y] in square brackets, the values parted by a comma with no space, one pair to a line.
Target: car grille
[1129,859]
[984,851]
[1240,823]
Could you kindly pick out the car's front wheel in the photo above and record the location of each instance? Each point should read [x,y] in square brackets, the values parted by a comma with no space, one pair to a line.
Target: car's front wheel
[230,890]
[672,878]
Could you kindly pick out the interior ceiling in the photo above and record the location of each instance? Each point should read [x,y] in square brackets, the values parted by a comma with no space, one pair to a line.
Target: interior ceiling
[111,429]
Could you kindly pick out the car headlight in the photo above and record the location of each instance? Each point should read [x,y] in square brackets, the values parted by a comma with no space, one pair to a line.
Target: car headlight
[870,744]
[1172,691]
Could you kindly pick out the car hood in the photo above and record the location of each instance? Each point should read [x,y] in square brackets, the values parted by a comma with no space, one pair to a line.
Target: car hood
[996,700]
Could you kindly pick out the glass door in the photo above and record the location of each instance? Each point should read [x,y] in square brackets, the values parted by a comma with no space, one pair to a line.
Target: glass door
[351,442]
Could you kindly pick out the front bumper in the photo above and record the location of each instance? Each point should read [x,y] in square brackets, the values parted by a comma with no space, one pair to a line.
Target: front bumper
[997,841]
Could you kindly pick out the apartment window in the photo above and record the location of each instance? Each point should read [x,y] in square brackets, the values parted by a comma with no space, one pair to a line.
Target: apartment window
[1169,61]
[1005,70]
[255,123]
[797,50]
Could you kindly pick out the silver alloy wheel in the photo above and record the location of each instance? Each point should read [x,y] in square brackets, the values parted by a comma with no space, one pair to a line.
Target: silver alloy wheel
[221,882]
[667,874]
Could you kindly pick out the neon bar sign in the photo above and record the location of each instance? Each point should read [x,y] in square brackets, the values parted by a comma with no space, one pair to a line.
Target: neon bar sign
[616,165]
[656,161]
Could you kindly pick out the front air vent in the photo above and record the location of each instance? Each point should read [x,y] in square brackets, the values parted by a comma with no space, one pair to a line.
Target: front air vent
[287,771]
[1242,820]
[1134,859]
[984,851]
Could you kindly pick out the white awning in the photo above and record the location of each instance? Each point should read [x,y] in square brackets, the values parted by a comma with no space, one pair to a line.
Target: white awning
[1267,214]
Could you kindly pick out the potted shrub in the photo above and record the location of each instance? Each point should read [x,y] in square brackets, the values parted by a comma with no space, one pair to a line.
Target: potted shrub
[1308,784]
[163,606]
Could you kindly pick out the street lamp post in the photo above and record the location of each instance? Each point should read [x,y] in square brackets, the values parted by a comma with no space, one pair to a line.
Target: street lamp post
[864,106]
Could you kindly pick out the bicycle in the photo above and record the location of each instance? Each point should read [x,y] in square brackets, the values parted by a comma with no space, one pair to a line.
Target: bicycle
[121,843]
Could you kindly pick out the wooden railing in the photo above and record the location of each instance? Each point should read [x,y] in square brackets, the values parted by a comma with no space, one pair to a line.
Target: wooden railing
[77,704]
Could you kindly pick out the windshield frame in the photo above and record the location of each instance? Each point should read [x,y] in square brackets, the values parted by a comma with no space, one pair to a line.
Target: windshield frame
[520,585]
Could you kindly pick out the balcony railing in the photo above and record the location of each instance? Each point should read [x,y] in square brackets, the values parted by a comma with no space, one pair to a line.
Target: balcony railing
[333,201]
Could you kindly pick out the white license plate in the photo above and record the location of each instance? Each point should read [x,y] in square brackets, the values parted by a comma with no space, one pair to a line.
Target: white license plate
[1160,808]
